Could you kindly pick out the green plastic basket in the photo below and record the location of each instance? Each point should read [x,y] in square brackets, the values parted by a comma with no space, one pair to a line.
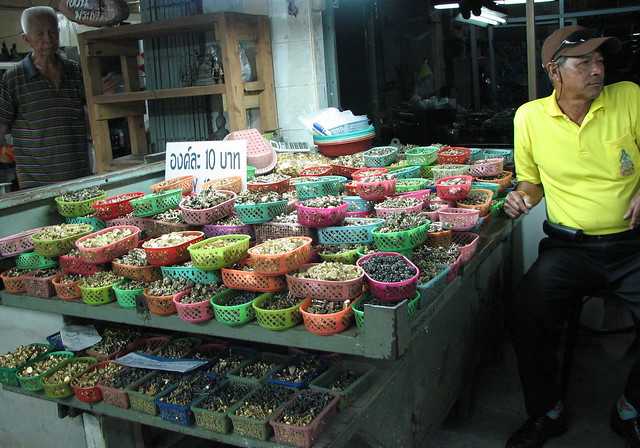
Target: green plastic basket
[411,184]
[357,234]
[440,171]
[34,383]
[402,241]
[64,390]
[191,273]
[212,420]
[407,172]
[421,155]
[351,393]
[154,203]
[277,320]
[506,154]
[142,402]
[495,188]
[232,315]
[8,376]
[322,186]
[54,248]
[251,172]
[94,222]
[126,298]
[358,308]
[210,259]
[259,213]
[32,261]
[97,296]
[74,209]
[278,362]
[375,161]
[346,257]
[476,154]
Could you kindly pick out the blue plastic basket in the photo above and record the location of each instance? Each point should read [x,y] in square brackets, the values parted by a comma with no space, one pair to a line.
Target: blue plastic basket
[372,160]
[322,186]
[406,172]
[506,154]
[360,234]
[305,381]
[434,287]
[476,154]
[260,213]
[191,273]
[56,341]
[96,223]
[357,204]
[175,413]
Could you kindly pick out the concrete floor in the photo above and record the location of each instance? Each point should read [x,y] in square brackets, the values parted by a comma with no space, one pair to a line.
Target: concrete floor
[598,378]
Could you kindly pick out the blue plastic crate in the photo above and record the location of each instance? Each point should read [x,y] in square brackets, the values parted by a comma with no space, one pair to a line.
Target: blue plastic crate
[56,341]
[434,287]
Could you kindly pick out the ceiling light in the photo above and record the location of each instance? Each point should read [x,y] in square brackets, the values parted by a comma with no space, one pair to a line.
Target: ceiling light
[491,14]
[519,2]
[477,20]
[446,6]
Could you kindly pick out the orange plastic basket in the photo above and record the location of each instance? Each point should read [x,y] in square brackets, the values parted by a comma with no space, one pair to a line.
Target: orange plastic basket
[439,239]
[14,285]
[504,179]
[281,264]
[185,183]
[161,305]
[140,273]
[231,183]
[252,281]
[67,291]
[327,324]
[481,193]
[281,186]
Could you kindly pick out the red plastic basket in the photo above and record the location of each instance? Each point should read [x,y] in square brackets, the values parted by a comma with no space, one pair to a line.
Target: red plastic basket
[39,286]
[391,291]
[14,285]
[350,189]
[345,148]
[281,186]
[107,253]
[13,245]
[467,244]
[324,289]
[321,217]
[313,171]
[76,265]
[453,155]
[460,219]
[487,167]
[115,206]
[210,215]
[326,324]
[161,305]
[453,192]
[362,173]
[342,170]
[167,256]
[91,394]
[252,281]
[67,291]
[185,183]
[281,264]
[192,312]
[376,190]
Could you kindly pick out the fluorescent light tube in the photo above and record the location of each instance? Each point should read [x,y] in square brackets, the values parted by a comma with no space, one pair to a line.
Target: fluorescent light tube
[519,2]
[447,6]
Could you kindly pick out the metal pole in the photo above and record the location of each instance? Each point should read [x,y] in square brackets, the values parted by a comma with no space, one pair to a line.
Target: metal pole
[561,13]
[475,70]
[531,51]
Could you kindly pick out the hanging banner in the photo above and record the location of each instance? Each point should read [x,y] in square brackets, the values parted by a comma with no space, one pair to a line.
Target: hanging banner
[94,12]
[206,161]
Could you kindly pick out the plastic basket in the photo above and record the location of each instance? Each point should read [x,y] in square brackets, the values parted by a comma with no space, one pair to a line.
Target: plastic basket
[167,256]
[391,291]
[155,203]
[97,296]
[453,154]
[487,167]
[284,263]
[259,213]
[421,195]
[277,360]
[460,219]
[321,217]
[142,402]
[91,394]
[107,253]
[174,413]
[32,261]
[34,383]
[485,206]
[68,290]
[411,184]
[376,190]
[346,256]
[357,204]
[250,427]
[453,192]
[506,154]
[115,206]
[354,234]
[383,212]
[95,223]
[317,170]
[63,390]
[162,305]
[232,315]
[326,324]
[210,259]
[441,171]
[359,314]
[503,180]
[495,188]
[12,245]
[208,215]
[72,209]
[303,436]
[54,248]
[372,160]
[467,244]
[343,170]
[39,286]
[191,273]
[14,285]
[322,186]
[273,230]
[434,287]
[324,289]
[345,147]
[252,281]
[193,312]
[231,183]
[251,172]
[212,420]
[400,241]
[145,274]
[406,172]
[354,390]
[439,239]
[364,173]
[421,155]
[128,220]
[154,228]
[211,230]
[126,298]
[182,183]
[277,320]
[281,186]
[8,376]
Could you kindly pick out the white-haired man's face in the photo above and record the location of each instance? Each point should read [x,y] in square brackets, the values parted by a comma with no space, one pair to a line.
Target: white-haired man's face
[43,35]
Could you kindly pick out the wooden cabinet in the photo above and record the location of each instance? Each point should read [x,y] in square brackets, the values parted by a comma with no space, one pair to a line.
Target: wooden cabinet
[229,29]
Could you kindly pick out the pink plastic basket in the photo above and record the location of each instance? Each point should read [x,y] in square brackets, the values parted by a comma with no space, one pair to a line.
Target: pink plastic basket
[391,291]
[107,253]
[376,190]
[127,221]
[384,212]
[357,215]
[467,244]
[260,154]
[423,195]
[13,245]
[76,265]
[321,217]
[433,216]
[193,312]
[39,286]
[453,192]
[210,215]
[460,219]
[487,167]
[211,230]
[454,269]
[324,289]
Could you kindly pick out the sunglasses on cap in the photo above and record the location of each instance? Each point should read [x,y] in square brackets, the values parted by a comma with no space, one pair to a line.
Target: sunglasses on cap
[577,38]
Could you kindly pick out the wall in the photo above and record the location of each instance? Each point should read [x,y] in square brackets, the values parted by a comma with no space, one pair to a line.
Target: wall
[10,26]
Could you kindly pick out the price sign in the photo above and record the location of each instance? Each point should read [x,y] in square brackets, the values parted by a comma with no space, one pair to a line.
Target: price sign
[206,161]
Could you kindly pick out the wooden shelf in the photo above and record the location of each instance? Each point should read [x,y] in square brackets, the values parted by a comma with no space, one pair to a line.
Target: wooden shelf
[145,95]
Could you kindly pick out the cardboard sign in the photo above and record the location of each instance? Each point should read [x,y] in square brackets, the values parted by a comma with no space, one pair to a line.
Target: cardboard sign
[94,12]
[206,161]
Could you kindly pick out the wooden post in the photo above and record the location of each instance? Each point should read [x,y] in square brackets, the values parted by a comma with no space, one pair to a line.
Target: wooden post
[232,77]
[137,133]
[268,112]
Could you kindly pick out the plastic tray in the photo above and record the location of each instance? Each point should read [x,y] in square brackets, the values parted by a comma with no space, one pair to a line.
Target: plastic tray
[277,320]
[167,256]
[209,215]
[209,259]
[324,289]
[115,206]
[250,427]
[211,420]
[281,264]
[391,291]
[183,183]
[63,390]
[174,413]
[12,245]
[107,253]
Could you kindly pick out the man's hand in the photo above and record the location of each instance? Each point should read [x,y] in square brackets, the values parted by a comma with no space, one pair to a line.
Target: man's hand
[517,203]
[633,212]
